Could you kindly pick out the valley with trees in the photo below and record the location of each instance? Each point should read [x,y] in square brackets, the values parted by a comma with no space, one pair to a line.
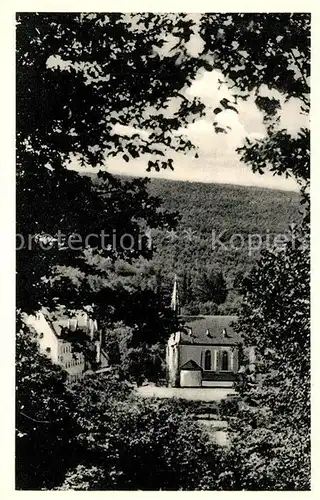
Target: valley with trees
[78,76]
[210,275]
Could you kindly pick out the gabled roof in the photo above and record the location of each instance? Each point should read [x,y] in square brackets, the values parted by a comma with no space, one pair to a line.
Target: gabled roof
[191,366]
[61,323]
[209,330]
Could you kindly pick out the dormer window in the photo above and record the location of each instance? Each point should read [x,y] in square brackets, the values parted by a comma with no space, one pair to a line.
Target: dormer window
[189,331]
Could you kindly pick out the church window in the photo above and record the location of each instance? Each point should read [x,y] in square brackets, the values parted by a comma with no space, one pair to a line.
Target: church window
[215,360]
[207,360]
[224,361]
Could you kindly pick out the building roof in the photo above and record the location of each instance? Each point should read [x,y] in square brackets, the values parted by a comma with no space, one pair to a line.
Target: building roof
[58,326]
[61,323]
[209,330]
[191,366]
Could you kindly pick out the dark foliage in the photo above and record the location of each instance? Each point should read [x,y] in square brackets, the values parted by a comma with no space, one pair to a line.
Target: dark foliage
[138,444]
[77,76]
[45,433]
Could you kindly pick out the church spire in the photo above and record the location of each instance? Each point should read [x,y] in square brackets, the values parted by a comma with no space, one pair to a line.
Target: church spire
[175,302]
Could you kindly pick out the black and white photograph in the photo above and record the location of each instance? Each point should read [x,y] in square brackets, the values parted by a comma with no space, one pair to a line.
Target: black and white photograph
[162,251]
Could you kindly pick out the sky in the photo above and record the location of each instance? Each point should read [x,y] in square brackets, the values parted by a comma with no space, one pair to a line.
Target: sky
[218,160]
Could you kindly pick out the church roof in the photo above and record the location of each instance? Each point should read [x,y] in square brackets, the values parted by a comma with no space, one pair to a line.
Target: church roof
[209,330]
[191,366]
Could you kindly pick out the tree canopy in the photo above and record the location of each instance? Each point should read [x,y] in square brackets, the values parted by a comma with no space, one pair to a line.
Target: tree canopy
[80,76]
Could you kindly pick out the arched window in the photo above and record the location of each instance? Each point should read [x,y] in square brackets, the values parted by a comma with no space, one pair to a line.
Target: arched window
[207,360]
[225,361]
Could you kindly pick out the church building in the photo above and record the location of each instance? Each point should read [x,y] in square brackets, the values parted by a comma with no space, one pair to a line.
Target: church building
[204,352]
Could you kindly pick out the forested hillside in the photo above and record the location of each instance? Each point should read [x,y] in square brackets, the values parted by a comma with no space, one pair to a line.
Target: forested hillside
[221,208]
[210,214]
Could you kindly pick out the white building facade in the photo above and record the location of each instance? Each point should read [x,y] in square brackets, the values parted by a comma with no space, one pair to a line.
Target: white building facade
[57,338]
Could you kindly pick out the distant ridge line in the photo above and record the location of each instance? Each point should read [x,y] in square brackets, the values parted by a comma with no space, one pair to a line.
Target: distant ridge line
[202,183]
